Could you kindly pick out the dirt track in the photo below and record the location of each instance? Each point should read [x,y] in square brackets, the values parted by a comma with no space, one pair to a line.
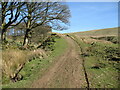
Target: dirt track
[66,72]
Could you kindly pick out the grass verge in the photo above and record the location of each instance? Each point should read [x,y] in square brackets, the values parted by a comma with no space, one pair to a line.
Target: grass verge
[35,69]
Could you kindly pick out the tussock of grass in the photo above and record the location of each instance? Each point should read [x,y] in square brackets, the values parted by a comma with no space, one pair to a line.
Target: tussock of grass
[13,60]
[38,53]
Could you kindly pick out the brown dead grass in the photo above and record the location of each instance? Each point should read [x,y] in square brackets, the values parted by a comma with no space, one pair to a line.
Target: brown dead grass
[39,53]
[12,59]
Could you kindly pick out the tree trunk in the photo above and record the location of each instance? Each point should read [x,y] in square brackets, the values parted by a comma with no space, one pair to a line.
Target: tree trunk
[3,32]
[3,36]
[26,40]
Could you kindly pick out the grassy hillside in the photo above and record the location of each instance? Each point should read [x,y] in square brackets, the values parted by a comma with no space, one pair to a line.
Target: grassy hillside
[101,62]
[100,51]
[100,32]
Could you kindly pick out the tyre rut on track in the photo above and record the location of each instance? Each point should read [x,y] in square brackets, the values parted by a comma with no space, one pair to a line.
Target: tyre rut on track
[66,72]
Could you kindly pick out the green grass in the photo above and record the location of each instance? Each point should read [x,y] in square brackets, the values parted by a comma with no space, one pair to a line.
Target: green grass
[107,75]
[34,69]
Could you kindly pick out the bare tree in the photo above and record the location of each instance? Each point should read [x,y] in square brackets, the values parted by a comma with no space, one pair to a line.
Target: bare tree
[53,14]
[10,13]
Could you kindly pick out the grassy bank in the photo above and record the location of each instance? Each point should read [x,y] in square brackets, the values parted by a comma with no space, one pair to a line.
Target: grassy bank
[35,68]
[100,64]
[100,32]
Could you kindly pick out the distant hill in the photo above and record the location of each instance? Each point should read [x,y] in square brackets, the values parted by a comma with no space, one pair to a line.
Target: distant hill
[100,32]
